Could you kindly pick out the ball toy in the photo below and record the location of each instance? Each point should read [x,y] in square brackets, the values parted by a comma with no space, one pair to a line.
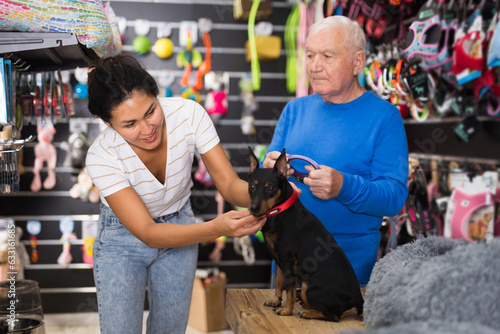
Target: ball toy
[163,48]
[141,44]
[81,90]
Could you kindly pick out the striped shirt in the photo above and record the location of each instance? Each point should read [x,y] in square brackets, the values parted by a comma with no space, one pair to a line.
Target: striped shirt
[113,165]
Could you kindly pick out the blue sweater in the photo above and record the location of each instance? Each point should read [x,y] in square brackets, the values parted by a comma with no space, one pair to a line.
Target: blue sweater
[363,139]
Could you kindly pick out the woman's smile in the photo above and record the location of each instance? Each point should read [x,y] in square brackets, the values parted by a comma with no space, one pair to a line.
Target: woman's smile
[151,138]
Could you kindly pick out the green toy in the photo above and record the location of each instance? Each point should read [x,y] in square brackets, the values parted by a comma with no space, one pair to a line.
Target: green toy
[141,44]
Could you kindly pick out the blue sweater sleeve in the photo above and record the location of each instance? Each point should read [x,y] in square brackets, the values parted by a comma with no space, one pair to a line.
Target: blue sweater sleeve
[386,192]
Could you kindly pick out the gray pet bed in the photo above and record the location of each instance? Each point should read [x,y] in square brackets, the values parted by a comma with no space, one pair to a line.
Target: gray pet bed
[428,327]
[435,285]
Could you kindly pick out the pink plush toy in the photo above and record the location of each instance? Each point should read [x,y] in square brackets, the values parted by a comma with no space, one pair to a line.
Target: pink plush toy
[44,152]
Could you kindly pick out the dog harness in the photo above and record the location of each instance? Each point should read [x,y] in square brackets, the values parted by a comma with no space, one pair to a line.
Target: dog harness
[423,37]
[283,206]
[419,220]
[462,59]
[485,86]
[468,59]
[299,176]
[465,205]
[493,54]
[445,54]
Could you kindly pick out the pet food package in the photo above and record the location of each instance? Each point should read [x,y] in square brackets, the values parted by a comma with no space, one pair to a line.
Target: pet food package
[471,208]
[208,302]
[241,9]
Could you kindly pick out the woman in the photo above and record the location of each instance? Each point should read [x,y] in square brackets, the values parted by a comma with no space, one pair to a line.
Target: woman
[141,165]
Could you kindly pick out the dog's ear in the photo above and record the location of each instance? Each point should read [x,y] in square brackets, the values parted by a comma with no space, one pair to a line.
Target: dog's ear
[281,164]
[254,162]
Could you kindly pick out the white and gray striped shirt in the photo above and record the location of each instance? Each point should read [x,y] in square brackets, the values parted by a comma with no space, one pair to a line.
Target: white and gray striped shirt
[113,165]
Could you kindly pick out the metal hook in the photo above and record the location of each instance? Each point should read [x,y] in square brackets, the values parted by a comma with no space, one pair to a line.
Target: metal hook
[20,65]
[26,68]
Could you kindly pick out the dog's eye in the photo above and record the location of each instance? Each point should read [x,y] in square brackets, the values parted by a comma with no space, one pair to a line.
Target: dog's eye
[251,186]
[271,188]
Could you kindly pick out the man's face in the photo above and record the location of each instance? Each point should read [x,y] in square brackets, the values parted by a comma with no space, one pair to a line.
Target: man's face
[329,64]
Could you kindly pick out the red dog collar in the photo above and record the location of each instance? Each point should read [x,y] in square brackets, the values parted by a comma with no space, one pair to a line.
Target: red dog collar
[283,206]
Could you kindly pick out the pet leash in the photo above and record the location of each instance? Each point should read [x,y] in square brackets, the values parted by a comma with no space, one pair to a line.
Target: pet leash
[254,62]
[305,22]
[299,176]
[290,35]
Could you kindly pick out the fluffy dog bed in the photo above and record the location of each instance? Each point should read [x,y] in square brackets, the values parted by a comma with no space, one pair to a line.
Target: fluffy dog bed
[435,285]
[429,327]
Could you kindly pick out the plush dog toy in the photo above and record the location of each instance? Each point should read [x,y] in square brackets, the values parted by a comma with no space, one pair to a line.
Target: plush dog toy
[44,152]
[84,188]
[76,150]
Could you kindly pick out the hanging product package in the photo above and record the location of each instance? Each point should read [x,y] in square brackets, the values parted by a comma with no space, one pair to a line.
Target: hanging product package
[471,209]
[241,9]
[268,48]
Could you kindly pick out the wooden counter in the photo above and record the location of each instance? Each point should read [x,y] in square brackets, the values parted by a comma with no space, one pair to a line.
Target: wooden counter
[246,313]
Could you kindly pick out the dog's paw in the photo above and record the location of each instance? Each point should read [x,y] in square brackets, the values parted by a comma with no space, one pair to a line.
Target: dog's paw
[313,314]
[272,303]
[283,311]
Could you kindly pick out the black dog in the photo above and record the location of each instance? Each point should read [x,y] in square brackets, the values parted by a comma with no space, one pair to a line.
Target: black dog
[303,249]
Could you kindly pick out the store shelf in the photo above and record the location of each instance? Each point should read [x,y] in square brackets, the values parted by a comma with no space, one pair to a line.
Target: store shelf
[40,51]
[448,119]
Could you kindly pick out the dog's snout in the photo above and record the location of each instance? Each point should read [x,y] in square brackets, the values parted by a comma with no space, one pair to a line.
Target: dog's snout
[255,207]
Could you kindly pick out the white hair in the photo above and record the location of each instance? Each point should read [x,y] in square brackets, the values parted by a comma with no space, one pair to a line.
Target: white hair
[355,39]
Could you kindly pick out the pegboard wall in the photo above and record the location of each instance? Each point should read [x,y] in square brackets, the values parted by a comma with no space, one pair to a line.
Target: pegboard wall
[71,288]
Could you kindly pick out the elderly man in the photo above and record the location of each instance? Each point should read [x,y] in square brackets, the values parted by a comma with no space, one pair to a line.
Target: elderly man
[357,138]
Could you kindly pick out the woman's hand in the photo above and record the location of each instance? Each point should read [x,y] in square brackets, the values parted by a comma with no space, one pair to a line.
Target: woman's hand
[270,161]
[237,224]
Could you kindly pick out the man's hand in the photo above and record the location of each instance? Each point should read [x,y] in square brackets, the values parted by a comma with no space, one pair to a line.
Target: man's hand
[325,183]
[270,161]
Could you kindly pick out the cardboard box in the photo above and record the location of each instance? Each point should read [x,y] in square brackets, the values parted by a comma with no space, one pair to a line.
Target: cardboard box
[208,305]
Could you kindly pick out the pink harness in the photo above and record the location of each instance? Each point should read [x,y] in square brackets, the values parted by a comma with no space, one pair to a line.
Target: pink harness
[465,205]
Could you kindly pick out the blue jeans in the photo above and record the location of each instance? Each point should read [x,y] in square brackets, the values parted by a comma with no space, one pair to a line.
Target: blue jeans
[124,265]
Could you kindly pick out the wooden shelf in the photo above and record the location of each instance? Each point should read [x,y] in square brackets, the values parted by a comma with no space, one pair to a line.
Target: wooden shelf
[246,313]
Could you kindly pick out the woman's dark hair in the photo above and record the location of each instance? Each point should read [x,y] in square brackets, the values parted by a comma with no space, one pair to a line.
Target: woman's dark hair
[113,80]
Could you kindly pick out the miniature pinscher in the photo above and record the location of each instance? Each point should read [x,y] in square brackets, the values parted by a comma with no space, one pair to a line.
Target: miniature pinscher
[304,251]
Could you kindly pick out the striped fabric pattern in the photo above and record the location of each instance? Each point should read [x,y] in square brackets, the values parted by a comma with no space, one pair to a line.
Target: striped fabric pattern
[113,165]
